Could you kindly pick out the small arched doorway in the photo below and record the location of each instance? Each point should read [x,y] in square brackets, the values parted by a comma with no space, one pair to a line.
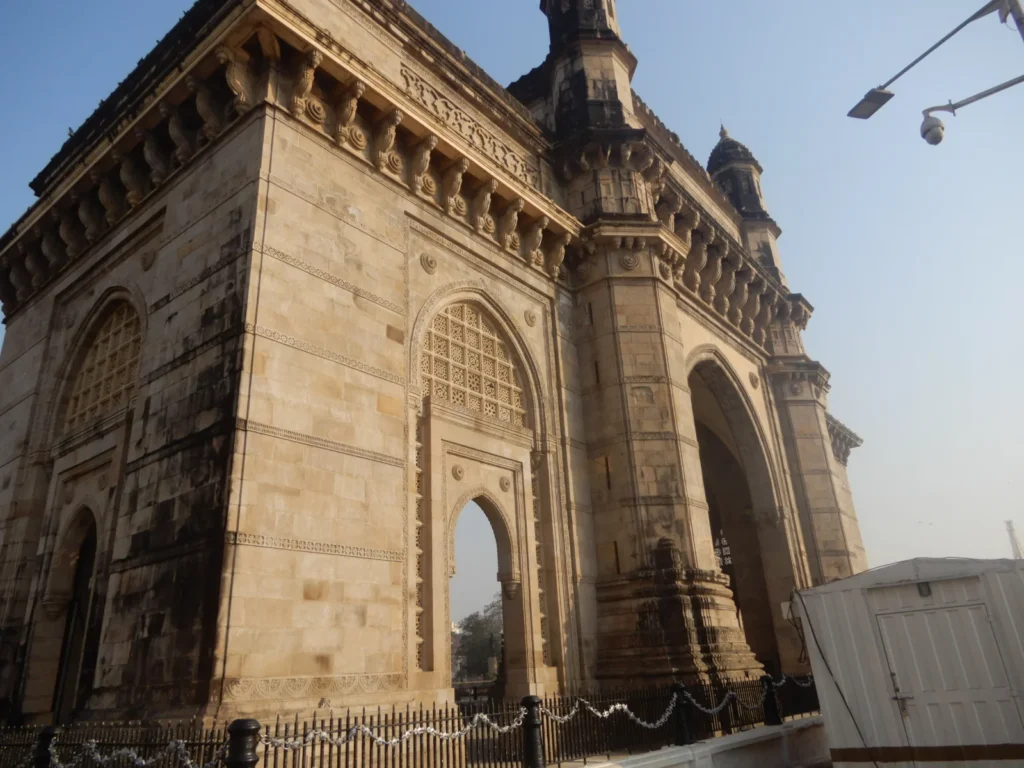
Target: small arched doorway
[503,660]
[73,572]
[742,509]
[477,609]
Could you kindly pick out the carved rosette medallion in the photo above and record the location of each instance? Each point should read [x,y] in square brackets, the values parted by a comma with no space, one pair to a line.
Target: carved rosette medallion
[394,162]
[505,484]
[428,262]
[531,317]
[755,381]
[458,472]
[356,137]
[428,185]
[796,388]
[629,261]
[315,110]
[459,205]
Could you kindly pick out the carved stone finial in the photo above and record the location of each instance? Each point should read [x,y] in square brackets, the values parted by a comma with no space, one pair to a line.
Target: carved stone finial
[236,73]
[345,109]
[153,154]
[20,281]
[110,197]
[696,259]
[8,292]
[384,137]
[482,204]
[91,218]
[304,81]
[132,178]
[509,220]
[421,162]
[207,108]
[184,147]
[533,240]
[556,255]
[712,272]
[722,133]
[52,247]
[35,264]
[666,210]
[753,305]
[70,232]
[726,285]
[451,184]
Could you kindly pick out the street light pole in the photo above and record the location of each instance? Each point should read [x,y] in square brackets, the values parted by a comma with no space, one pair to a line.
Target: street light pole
[932,129]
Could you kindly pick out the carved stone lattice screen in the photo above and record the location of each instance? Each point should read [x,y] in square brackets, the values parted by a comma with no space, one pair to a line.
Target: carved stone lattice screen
[464,362]
[107,373]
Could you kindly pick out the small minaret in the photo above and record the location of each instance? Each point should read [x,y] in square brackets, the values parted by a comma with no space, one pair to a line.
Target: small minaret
[591,67]
[737,173]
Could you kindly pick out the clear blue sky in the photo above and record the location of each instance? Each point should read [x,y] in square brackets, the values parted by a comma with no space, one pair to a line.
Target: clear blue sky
[910,253]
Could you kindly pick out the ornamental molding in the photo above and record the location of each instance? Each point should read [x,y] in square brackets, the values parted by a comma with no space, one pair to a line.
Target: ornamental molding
[246,425]
[326,354]
[283,688]
[327,277]
[442,106]
[309,545]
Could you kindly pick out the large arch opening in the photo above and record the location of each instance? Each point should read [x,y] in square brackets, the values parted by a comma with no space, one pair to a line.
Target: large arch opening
[740,497]
[72,577]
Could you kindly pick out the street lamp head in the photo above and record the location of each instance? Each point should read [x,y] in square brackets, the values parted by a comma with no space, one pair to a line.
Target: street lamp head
[932,129]
[873,101]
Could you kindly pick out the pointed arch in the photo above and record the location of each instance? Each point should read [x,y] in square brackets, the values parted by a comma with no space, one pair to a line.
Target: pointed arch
[708,362]
[474,292]
[497,516]
[102,364]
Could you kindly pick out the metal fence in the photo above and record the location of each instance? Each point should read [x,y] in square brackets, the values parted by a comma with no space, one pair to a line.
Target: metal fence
[531,733]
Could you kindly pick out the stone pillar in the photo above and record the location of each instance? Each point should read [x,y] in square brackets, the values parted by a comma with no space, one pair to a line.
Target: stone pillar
[825,506]
[664,610]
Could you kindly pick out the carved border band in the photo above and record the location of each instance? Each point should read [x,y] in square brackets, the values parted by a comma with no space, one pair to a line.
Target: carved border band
[317,442]
[452,116]
[264,688]
[327,277]
[316,547]
[326,354]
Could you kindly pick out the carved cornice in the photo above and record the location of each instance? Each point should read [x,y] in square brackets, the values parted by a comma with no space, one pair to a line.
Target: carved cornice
[843,438]
[799,378]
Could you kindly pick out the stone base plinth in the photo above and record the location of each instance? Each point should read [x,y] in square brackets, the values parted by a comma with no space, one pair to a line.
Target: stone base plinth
[660,625]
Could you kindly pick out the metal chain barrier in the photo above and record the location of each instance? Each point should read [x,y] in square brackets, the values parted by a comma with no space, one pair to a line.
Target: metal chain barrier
[176,748]
[713,710]
[321,736]
[610,711]
[758,705]
[802,684]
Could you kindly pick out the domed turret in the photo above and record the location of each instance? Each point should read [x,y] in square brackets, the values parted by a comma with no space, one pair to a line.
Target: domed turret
[737,173]
[735,170]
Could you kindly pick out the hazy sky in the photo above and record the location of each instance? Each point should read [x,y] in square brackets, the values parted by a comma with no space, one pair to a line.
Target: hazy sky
[910,253]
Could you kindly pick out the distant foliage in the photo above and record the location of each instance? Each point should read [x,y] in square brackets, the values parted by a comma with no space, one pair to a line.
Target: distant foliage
[478,641]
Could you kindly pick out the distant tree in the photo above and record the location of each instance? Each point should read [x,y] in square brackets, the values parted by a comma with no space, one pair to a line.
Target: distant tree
[479,640]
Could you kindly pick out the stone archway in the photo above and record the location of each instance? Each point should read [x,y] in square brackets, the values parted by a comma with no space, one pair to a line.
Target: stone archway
[66,640]
[745,513]
[477,430]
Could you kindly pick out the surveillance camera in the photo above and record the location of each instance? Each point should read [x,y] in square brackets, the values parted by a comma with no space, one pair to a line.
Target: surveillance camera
[932,129]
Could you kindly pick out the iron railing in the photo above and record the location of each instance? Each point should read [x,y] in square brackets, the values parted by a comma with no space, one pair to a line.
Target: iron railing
[531,733]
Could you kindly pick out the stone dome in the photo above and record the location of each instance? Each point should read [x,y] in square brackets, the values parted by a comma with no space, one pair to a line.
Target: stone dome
[728,150]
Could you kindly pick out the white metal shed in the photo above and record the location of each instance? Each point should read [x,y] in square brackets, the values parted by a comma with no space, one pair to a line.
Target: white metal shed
[920,663]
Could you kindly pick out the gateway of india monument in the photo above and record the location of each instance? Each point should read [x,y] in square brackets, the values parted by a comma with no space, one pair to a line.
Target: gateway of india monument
[306,284]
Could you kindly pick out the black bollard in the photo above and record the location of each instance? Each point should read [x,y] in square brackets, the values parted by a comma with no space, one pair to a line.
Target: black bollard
[772,716]
[41,755]
[533,738]
[680,726]
[243,738]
